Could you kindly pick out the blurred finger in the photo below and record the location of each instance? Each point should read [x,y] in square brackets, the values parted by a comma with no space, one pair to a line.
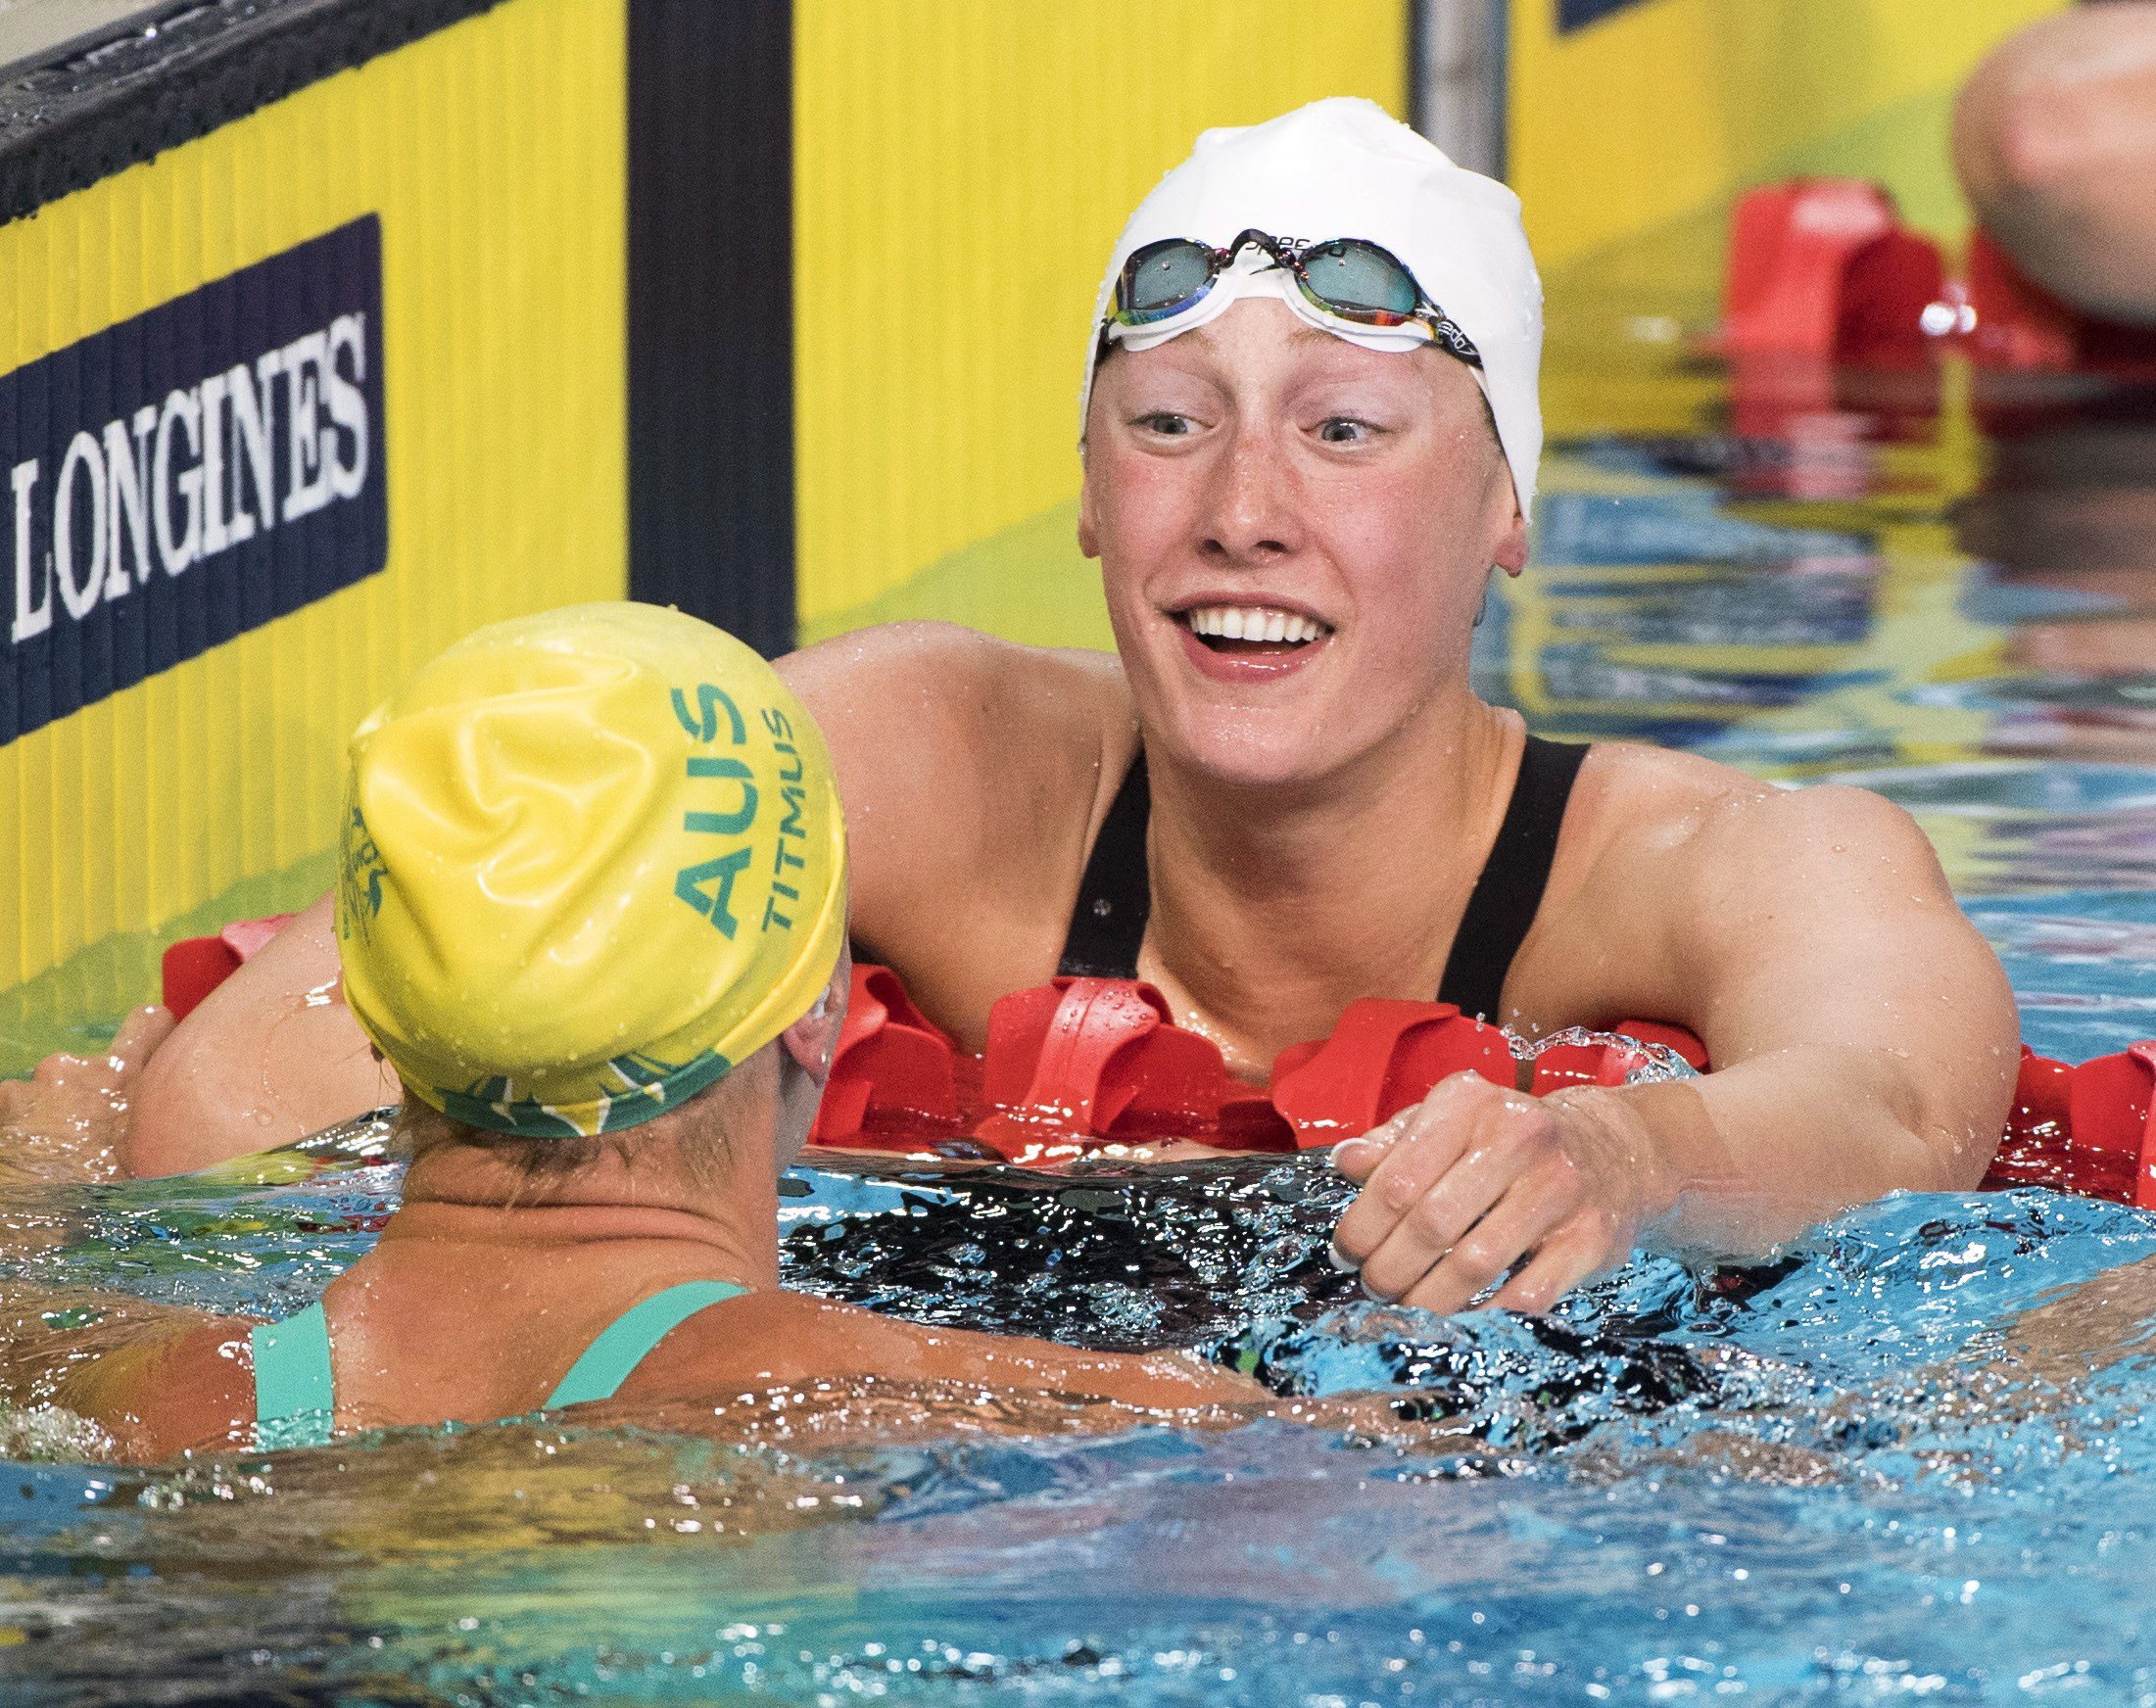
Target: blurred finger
[1429,1228]
[58,1071]
[139,1036]
[1524,1217]
[1575,1254]
[1430,1145]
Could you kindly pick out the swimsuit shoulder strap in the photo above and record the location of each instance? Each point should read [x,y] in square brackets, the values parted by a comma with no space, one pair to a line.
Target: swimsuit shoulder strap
[1114,897]
[1510,890]
[625,1342]
[295,1391]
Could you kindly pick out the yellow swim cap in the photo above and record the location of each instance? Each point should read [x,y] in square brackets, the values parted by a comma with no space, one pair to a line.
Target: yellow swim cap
[592,859]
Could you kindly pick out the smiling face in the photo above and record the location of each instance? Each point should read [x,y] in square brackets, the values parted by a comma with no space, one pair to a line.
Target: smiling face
[1294,536]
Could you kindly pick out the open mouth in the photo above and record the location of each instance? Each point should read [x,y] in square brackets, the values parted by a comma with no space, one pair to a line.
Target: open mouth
[1252,630]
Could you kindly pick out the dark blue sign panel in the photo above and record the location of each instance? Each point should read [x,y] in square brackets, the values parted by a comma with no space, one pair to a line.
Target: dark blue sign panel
[189,474]
[1578,14]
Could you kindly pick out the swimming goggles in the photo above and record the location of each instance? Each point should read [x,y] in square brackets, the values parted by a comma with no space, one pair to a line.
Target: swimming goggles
[1344,278]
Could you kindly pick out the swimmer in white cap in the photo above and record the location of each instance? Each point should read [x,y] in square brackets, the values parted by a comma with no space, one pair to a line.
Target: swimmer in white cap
[1311,437]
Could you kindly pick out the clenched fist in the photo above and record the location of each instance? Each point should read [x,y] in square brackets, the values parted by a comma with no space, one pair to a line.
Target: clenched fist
[1476,1182]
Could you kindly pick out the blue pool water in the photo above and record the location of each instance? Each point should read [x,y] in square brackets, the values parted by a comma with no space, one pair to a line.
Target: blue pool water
[1909,1461]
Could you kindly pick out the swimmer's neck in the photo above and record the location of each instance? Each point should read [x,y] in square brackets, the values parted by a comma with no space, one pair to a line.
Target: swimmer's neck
[1270,914]
[727,1225]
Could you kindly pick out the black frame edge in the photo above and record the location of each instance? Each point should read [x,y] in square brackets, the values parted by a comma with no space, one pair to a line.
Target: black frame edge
[99,105]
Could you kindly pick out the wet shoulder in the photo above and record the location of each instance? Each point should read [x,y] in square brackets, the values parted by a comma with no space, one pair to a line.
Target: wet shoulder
[184,1387]
[973,771]
[770,1338]
[1643,813]
[1599,950]
[1665,861]
[1637,803]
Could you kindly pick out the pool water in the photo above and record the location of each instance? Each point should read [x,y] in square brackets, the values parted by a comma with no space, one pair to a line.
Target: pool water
[1912,1459]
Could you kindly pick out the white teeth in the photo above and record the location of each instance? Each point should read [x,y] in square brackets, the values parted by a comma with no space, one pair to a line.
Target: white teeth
[1253,622]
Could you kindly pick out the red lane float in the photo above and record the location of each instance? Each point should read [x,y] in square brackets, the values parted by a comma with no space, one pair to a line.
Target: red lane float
[1382,1057]
[1823,268]
[1805,254]
[1081,1062]
[894,1059]
[2089,1129]
[194,967]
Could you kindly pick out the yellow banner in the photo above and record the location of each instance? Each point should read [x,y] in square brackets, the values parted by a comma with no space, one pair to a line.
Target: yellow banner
[486,166]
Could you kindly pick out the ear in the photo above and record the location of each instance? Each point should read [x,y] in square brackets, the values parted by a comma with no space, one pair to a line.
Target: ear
[813,1039]
[1510,553]
[1089,528]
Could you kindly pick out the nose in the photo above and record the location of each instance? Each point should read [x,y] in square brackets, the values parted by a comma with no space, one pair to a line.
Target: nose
[1249,517]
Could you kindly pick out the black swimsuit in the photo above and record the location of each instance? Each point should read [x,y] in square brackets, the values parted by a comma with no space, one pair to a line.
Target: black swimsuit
[1114,897]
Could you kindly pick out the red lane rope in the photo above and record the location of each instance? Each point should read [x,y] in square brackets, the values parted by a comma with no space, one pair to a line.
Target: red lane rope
[1081,1062]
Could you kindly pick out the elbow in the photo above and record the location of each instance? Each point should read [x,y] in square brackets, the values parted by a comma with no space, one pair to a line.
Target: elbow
[2043,146]
[1965,1159]
[1956,1145]
[2017,139]
[171,1125]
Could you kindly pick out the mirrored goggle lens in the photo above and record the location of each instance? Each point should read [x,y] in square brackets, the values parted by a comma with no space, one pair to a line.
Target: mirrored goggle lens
[1162,277]
[1359,280]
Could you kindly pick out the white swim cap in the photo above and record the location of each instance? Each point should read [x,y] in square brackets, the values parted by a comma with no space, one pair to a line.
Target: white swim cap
[1344,167]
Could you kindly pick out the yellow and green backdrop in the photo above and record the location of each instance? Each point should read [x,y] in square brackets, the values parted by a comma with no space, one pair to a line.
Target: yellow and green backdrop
[772,310]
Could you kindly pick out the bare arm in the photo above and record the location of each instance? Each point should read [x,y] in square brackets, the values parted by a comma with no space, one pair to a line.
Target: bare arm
[1864,1035]
[782,1337]
[271,1056]
[2055,143]
[812,1347]
[1864,1039]
[148,1380]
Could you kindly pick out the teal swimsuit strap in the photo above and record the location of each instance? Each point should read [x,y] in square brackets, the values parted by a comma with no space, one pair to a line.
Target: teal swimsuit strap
[630,1335]
[295,1394]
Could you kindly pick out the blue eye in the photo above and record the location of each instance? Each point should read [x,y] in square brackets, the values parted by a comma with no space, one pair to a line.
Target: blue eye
[1342,430]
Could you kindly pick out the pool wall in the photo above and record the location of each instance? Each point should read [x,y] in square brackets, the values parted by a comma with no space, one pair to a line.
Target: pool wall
[775,311]
[310,361]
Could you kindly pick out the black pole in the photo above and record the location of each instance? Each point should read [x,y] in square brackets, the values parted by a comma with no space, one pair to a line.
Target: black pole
[711,313]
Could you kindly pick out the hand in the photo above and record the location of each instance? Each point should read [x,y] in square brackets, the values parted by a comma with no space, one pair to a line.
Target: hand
[1466,1184]
[64,1121]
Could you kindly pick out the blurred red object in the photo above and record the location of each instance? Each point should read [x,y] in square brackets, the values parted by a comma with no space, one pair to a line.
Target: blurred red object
[1791,247]
[891,1062]
[194,967]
